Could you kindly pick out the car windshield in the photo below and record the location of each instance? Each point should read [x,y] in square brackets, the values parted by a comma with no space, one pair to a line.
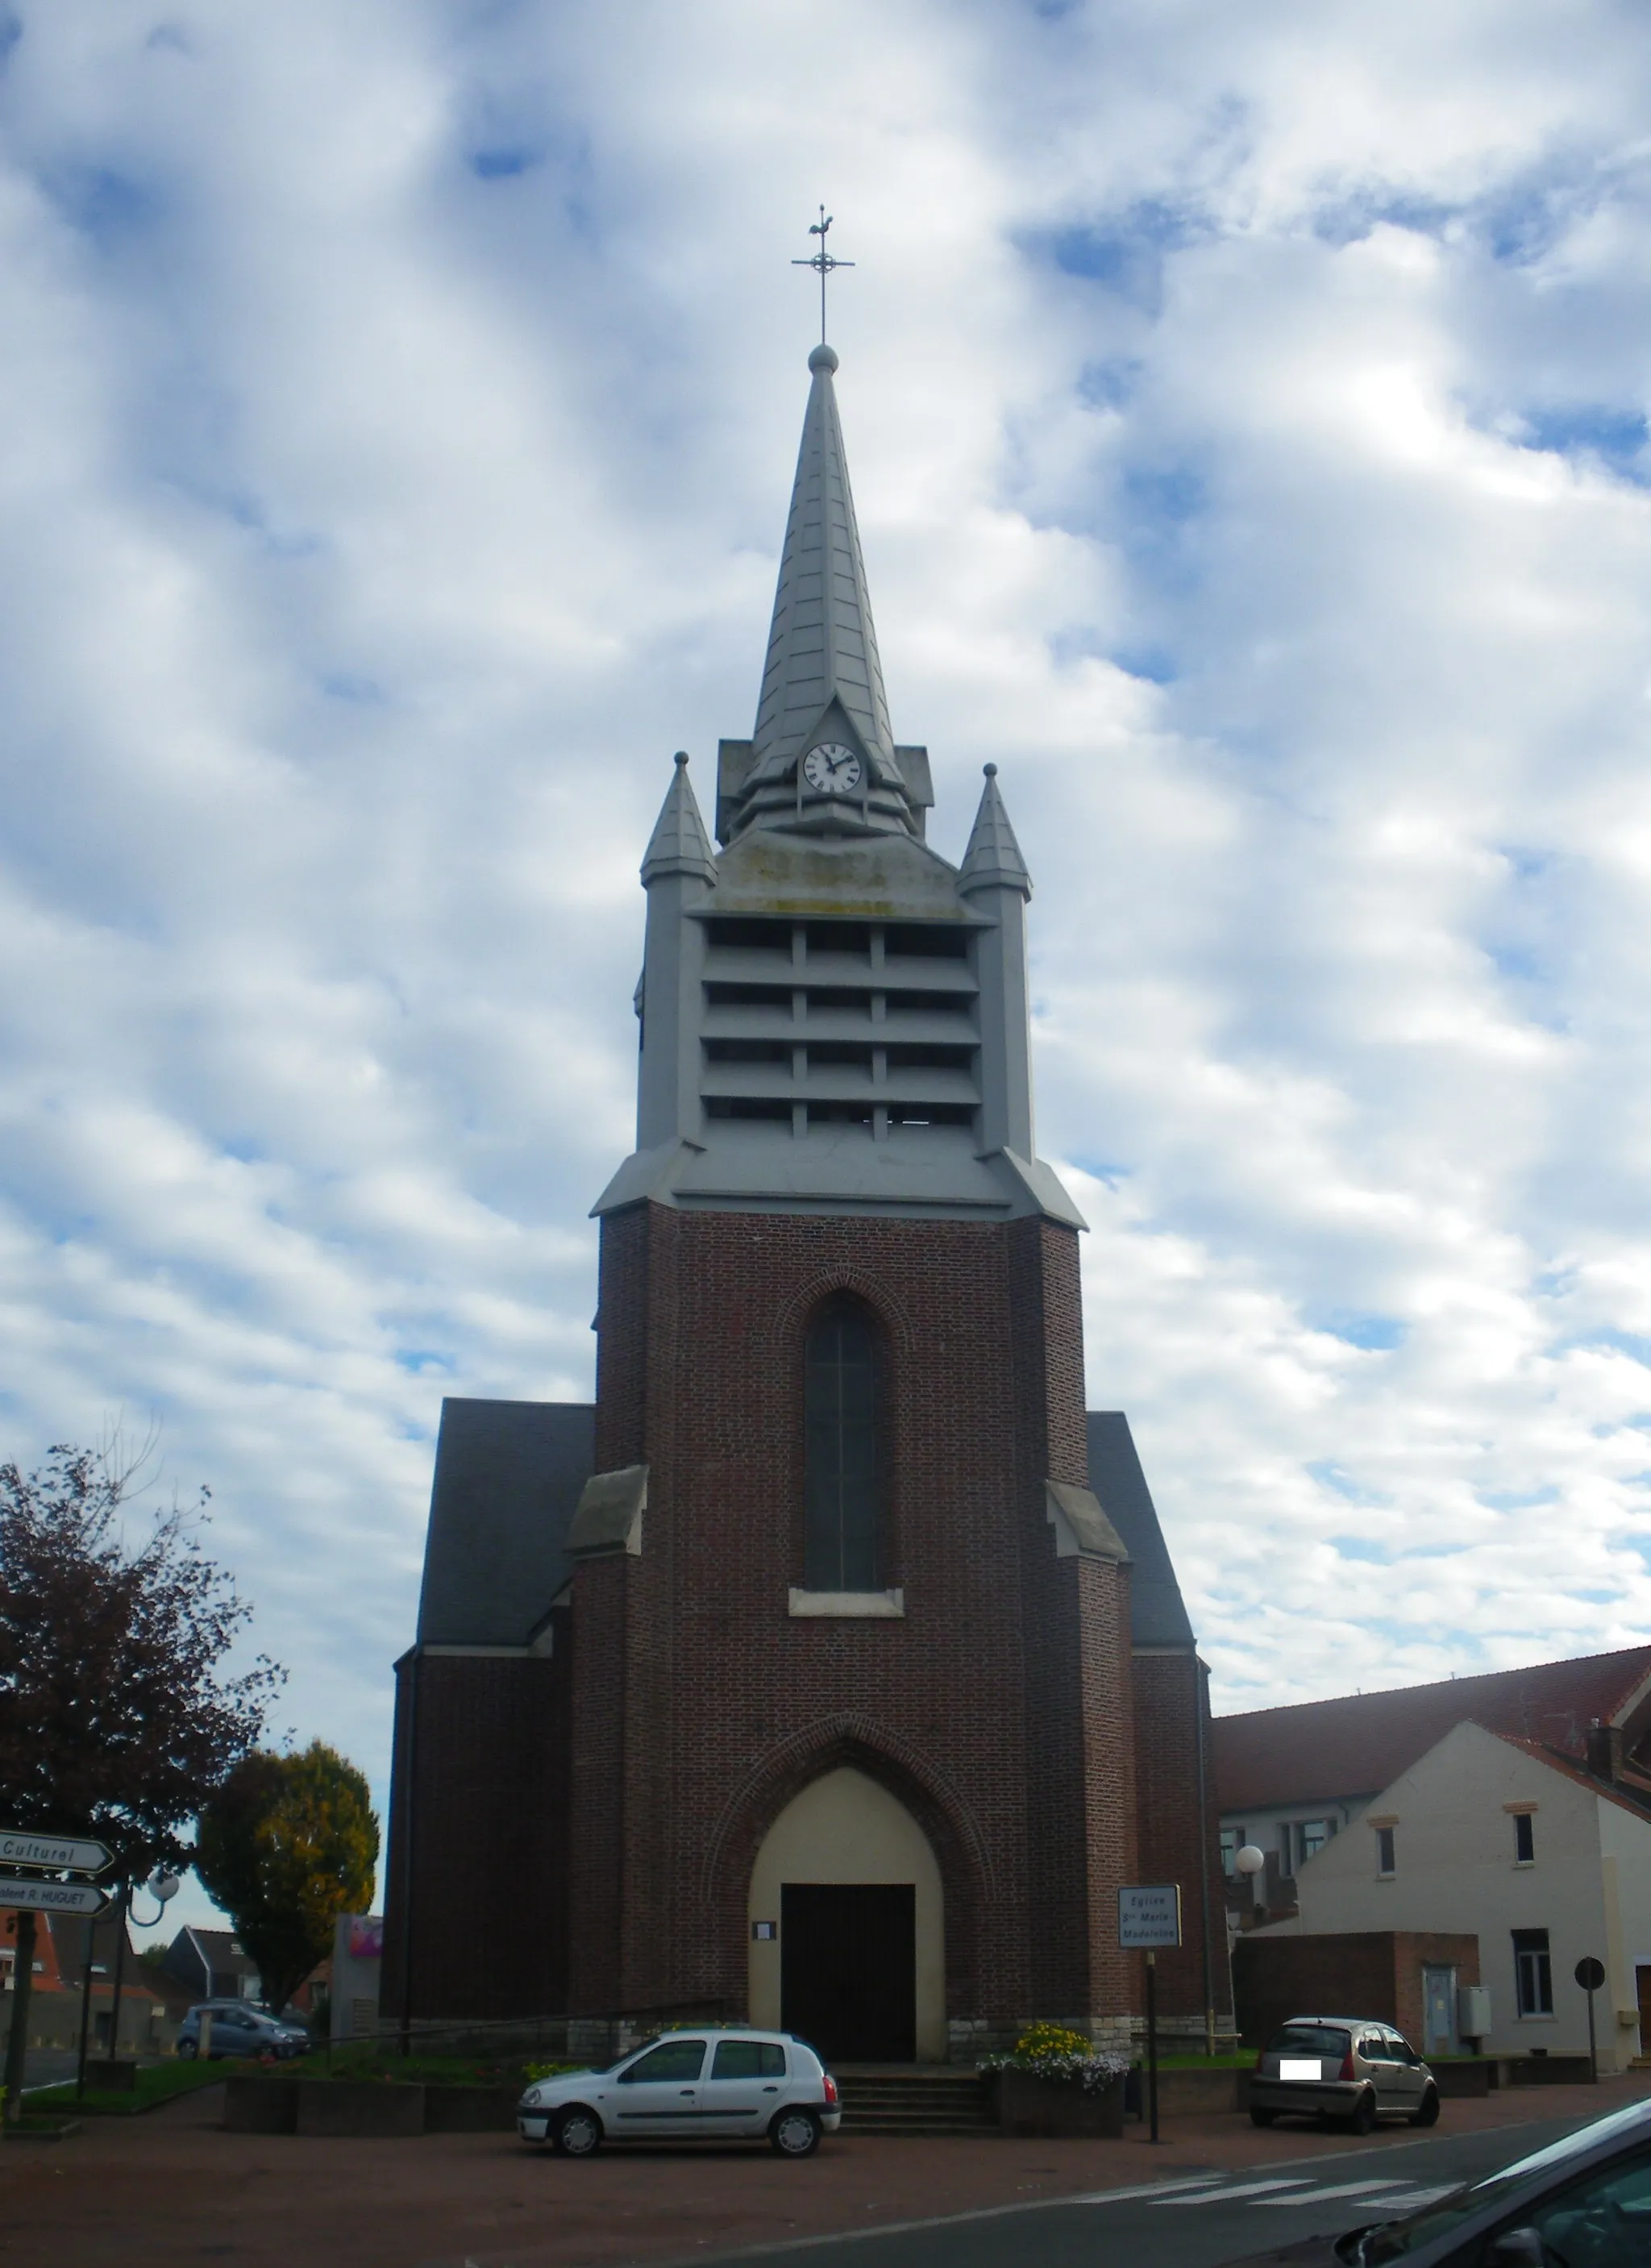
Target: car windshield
[1394,2240]
[1309,2040]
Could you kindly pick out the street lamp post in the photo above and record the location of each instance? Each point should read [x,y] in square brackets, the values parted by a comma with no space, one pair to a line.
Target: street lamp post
[163,1887]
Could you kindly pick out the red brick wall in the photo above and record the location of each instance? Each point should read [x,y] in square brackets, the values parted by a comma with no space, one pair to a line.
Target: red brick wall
[1374,1973]
[997,1709]
[1171,1694]
[477,1848]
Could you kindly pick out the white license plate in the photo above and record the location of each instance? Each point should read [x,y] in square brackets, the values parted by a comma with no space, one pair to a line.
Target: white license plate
[1300,2067]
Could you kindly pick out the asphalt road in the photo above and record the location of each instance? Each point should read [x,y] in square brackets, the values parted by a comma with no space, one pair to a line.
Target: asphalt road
[1190,2220]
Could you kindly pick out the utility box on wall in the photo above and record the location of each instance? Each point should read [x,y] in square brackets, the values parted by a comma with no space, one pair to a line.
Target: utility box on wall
[1473,2011]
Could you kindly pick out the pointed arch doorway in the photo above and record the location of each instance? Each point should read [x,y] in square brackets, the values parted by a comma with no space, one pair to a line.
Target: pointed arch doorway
[849,1883]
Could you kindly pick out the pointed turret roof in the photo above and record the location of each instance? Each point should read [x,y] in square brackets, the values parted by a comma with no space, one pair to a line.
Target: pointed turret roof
[822,642]
[993,860]
[679,843]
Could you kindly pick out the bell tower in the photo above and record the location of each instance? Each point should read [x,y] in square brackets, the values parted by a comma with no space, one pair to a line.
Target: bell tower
[841,1550]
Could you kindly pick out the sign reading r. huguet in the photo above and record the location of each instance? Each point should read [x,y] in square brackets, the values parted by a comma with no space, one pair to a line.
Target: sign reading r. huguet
[60,1852]
[51,1898]
[1149,1914]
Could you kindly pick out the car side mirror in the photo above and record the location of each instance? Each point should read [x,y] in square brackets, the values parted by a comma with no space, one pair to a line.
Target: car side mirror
[1516,2247]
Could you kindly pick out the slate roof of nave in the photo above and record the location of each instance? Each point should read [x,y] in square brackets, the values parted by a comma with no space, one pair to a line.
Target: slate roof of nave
[508,1475]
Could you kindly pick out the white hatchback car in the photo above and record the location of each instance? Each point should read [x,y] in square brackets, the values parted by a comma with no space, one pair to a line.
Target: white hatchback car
[707,2085]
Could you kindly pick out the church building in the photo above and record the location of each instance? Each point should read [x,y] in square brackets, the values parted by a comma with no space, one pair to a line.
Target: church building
[830,1671]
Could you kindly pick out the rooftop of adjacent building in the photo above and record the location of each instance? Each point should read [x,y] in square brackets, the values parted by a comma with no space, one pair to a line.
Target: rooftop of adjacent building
[1357,1744]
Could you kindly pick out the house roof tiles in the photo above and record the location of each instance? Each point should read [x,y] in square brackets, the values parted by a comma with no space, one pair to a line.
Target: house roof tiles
[1357,1744]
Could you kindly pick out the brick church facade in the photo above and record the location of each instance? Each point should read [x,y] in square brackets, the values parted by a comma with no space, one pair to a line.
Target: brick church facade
[831,1670]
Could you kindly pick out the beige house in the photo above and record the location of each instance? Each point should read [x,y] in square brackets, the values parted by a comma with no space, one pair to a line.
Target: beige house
[1498,1838]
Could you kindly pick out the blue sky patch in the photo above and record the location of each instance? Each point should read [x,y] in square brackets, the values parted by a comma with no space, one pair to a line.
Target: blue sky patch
[102,203]
[502,165]
[1359,1547]
[1613,434]
[1378,1334]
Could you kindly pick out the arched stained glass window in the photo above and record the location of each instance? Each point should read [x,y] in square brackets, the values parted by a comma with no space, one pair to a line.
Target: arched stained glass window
[844,1500]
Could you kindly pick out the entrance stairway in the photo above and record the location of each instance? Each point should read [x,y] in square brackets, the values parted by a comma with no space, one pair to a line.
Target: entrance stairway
[913,2099]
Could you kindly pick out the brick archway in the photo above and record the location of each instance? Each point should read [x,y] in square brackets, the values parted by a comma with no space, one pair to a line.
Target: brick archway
[862,1745]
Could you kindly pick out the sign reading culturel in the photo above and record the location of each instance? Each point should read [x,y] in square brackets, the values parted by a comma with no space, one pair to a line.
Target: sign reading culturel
[62,1854]
[1149,1915]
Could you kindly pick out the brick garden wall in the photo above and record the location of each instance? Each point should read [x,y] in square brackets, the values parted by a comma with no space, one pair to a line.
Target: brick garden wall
[1374,1973]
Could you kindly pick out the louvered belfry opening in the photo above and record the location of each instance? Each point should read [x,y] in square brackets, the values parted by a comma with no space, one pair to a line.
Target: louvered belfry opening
[822,1023]
[842,1500]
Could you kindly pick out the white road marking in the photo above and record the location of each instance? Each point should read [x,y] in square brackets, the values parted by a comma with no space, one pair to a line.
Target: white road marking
[1347,2189]
[1395,2194]
[1147,2189]
[1246,2189]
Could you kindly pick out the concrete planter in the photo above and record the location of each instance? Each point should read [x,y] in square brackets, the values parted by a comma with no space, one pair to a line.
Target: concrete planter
[1031,2106]
[260,2106]
[470,2110]
[358,2108]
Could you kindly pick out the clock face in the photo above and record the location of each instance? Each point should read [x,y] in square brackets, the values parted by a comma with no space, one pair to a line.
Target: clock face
[832,768]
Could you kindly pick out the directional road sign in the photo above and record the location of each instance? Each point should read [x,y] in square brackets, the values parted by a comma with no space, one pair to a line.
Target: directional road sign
[61,1852]
[51,1898]
[1149,1914]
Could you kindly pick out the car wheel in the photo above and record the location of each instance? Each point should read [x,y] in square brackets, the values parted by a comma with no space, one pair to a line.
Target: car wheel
[794,2133]
[1363,2119]
[1260,2118]
[577,2132]
[188,2049]
[1427,2114]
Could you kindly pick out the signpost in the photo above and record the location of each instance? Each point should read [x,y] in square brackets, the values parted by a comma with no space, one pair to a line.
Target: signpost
[51,1898]
[1590,1975]
[47,1855]
[1149,1915]
[61,1854]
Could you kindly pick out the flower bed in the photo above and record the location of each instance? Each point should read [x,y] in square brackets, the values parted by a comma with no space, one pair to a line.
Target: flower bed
[1056,2081]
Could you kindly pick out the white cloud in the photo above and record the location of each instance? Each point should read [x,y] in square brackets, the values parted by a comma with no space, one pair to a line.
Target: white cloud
[1248,426]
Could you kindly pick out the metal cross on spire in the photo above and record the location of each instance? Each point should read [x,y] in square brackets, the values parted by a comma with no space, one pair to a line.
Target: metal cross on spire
[822,262]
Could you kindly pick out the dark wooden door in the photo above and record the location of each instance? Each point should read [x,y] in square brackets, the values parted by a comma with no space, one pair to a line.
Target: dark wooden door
[848,1967]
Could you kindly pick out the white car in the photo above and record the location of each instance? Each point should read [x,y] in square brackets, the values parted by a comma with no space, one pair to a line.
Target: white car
[704,2086]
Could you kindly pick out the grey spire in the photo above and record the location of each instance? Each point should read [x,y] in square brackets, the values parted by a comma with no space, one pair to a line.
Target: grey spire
[679,843]
[993,860]
[822,642]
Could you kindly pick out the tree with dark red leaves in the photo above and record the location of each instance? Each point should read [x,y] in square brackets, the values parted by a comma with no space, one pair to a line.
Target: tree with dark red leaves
[114,1720]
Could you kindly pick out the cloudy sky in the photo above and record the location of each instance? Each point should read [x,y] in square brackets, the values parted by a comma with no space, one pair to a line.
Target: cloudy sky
[1247,408]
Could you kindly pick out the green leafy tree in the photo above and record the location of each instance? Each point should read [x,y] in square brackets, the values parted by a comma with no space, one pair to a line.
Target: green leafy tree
[286,1845]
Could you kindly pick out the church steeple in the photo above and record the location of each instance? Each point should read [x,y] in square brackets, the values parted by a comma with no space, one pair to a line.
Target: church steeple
[823,682]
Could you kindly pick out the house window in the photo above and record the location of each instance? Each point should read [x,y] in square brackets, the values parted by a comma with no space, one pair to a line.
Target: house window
[1533,1973]
[1384,1851]
[1232,1840]
[843,1491]
[1311,1836]
[1524,1838]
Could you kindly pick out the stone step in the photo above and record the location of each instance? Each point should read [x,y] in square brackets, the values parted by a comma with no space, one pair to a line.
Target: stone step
[916,2103]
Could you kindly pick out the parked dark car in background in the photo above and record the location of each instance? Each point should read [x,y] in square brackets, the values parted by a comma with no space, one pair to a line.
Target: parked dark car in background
[1350,2068]
[239,2027]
